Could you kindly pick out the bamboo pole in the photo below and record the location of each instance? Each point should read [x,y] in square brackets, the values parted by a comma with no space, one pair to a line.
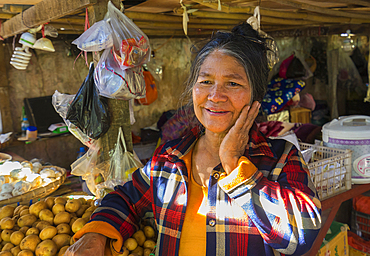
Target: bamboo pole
[322,10]
[173,26]
[41,13]
[237,16]
[358,2]
[118,109]
[287,15]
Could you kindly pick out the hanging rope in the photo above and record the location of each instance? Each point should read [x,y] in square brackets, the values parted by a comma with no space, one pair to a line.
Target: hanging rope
[87,26]
[1,38]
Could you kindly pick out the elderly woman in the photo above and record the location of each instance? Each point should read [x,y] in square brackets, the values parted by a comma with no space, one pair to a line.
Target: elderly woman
[223,189]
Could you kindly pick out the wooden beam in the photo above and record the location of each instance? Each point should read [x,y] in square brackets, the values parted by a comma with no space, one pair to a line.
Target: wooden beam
[316,9]
[176,19]
[358,2]
[30,2]
[152,16]
[236,16]
[286,14]
[6,16]
[41,13]
[173,26]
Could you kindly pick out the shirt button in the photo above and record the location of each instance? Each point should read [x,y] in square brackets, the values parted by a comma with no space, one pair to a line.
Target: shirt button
[212,223]
[216,175]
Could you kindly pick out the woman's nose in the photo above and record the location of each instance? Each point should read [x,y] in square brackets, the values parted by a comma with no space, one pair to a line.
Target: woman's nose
[217,93]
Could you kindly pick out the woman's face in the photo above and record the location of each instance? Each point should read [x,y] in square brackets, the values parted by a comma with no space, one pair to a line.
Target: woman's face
[222,90]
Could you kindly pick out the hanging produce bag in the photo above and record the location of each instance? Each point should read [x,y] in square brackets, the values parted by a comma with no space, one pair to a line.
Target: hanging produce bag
[87,111]
[96,38]
[123,163]
[114,82]
[91,168]
[131,45]
[151,90]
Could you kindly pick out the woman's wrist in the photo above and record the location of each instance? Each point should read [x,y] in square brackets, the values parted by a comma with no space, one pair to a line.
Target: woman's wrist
[230,163]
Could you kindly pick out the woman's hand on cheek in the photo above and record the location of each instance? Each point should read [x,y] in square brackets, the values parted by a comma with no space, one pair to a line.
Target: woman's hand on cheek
[236,140]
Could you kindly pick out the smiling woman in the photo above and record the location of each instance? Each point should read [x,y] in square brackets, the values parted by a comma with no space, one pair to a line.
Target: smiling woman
[224,188]
[221,92]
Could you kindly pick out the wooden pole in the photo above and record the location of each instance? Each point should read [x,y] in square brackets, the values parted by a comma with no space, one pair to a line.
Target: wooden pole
[286,14]
[6,118]
[41,13]
[118,109]
[322,10]
[367,98]
[332,62]
[239,16]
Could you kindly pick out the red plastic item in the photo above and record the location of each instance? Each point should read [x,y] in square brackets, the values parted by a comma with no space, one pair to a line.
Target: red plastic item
[284,66]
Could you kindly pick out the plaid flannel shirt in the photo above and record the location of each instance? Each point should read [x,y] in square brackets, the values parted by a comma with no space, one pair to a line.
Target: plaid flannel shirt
[274,212]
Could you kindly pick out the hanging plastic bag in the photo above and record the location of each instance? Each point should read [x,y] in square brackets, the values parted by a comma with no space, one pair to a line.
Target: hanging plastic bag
[151,90]
[98,37]
[91,168]
[87,111]
[131,45]
[123,163]
[114,82]
[61,103]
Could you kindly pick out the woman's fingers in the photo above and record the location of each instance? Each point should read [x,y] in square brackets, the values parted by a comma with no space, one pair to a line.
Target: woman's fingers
[252,114]
[90,244]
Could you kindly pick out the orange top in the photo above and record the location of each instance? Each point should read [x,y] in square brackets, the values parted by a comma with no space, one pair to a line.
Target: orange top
[193,234]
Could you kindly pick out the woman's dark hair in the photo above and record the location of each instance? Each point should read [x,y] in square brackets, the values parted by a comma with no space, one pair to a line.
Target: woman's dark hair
[247,47]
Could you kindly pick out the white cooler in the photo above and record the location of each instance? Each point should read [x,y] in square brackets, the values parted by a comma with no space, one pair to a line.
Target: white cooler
[351,132]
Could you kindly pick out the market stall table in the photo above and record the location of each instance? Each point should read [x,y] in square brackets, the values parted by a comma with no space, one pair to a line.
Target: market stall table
[330,208]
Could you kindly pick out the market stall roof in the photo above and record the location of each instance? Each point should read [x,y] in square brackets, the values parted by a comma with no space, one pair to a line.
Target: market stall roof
[165,17]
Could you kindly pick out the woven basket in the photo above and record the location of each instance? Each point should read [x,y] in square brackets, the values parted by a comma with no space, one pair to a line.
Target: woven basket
[37,193]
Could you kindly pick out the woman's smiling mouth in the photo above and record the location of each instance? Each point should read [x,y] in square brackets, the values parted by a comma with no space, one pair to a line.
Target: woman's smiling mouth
[216,111]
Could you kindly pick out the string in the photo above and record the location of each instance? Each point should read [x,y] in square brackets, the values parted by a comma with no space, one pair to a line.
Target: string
[163,44]
[185,18]
[87,26]
[1,38]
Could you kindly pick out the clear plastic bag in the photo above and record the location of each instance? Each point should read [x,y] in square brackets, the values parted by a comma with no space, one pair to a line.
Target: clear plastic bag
[114,82]
[123,163]
[131,45]
[98,37]
[90,168]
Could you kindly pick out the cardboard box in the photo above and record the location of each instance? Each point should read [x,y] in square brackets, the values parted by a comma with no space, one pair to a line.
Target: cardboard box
[354,252]
[336,241]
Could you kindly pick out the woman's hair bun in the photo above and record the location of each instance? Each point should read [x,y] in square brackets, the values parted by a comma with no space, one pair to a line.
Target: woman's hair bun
[244,29]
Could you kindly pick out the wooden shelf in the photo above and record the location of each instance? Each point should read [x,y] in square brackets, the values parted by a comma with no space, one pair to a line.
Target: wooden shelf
[333,204]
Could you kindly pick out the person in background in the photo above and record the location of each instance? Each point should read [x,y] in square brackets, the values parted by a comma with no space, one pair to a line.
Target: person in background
[224,188]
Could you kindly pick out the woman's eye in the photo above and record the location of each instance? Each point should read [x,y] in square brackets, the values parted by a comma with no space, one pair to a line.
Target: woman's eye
[234,84]
[205,82]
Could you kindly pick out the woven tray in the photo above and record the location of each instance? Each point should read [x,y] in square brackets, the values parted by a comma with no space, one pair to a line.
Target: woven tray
[37,193]
[6,143]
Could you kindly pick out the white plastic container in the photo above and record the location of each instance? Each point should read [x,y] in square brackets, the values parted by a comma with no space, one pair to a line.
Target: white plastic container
[351,132]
